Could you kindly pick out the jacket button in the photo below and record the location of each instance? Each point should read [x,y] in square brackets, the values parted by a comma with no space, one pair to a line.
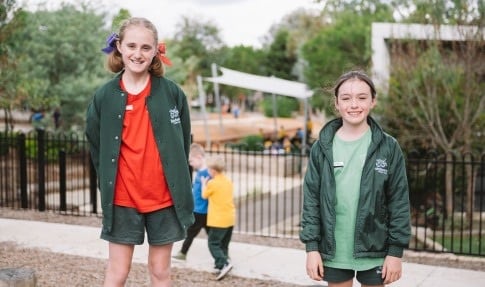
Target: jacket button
[119,116]
[116,137]
[112,160]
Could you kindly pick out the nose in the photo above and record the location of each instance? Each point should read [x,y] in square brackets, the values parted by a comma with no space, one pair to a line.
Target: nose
[353,102]
[137,52]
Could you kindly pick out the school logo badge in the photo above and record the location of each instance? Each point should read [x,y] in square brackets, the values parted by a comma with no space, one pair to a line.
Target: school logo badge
[381,166]
[174,116]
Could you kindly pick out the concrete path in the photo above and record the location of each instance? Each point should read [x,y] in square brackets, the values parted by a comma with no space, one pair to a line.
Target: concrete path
[252,261]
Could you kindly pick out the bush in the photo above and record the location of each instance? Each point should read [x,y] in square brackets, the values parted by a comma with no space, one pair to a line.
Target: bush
[285,106]
[249,143]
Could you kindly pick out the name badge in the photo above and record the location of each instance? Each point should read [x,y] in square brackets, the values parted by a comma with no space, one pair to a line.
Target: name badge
[338,164]
[129,107]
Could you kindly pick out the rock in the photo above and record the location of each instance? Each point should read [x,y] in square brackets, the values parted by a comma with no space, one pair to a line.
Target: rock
[17,277]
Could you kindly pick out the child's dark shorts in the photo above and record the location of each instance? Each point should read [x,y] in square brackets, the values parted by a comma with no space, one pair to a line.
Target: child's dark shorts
[162,227]
[366,277]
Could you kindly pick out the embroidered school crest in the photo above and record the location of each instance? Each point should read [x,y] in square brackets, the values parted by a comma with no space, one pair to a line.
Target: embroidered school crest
[174,116]
[381,166]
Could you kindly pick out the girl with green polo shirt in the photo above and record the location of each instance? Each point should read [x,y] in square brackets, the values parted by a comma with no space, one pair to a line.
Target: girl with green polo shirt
[356,215]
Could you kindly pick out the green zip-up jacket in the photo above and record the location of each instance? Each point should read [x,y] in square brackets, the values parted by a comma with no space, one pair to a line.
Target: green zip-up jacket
[169,115]
[383,216]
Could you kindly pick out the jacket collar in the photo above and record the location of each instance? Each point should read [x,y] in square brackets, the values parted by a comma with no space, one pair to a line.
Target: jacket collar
[328,132]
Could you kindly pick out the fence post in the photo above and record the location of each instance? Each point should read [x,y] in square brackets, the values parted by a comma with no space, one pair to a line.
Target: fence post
[41,168]
[93,186]
[62,180]
[24,202]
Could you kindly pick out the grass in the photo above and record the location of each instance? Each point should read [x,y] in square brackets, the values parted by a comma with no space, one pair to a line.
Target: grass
[463,244]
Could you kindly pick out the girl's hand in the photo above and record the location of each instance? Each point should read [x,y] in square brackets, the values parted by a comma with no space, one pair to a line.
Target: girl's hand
[314,265]
[391,269]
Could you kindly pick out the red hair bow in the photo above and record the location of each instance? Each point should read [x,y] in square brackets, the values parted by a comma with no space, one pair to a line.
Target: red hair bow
[162,56]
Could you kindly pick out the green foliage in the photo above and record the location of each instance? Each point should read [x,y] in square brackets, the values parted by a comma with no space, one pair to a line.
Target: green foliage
[253,143]
[450,12]
[60,62]
[437,97]
[197,38]
[242,58]
[340,47]
[11,20]
[285,106]
[279,59]
[249,143]
[122,15]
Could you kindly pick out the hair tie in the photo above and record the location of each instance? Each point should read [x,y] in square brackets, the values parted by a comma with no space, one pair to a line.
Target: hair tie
[161,54]
[110,43]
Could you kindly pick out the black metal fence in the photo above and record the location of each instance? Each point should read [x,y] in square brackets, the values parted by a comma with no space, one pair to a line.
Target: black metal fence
[48,171]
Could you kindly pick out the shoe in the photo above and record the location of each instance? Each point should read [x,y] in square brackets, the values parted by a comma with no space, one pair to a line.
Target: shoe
[180,256]
[227,267]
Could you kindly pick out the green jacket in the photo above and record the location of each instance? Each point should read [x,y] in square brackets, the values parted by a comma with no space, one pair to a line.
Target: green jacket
[383,218]
[169,115]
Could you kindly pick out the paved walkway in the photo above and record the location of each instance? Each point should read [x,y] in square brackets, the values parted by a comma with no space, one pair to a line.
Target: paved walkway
[252,261]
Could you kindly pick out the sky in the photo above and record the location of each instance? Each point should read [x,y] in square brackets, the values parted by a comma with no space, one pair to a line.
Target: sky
[240,21]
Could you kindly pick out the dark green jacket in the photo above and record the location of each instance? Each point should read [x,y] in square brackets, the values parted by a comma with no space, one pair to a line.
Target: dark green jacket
[169,115]
[383,218]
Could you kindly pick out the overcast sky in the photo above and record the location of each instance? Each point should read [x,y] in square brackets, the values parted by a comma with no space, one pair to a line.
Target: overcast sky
[240,21]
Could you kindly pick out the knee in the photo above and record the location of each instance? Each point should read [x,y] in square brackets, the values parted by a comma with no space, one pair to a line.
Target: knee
[116,275]
[159,273]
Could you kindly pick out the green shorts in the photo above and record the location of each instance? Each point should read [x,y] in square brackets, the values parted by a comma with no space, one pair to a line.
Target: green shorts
[162,227]
[366,277]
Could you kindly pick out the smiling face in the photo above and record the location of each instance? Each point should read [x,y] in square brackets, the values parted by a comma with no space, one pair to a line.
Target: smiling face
[354,102]
[138,47]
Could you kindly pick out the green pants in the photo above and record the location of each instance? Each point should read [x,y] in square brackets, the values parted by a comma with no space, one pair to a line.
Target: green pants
[218,241]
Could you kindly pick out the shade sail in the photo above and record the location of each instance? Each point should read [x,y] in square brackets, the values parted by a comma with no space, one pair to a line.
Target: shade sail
[270,85]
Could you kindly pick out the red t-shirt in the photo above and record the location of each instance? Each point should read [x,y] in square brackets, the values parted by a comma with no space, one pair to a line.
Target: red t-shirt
[140,181]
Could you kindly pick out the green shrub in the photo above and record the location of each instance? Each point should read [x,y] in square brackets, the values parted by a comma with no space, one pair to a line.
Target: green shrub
[285,106]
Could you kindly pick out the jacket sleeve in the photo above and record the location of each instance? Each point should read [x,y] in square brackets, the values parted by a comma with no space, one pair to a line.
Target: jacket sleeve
[92,132]
[398,204]
[310,233]
[185,118]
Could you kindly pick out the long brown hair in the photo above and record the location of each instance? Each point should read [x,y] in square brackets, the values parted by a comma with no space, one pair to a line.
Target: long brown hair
[114,62]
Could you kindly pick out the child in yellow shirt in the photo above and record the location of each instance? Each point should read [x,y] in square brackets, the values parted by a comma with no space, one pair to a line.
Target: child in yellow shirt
[221,215]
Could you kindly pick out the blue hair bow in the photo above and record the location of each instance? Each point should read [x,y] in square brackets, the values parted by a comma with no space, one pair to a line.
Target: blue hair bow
[110,43]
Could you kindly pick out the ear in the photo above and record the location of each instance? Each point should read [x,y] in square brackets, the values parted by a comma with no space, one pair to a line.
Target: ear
[374,102]
[118,46]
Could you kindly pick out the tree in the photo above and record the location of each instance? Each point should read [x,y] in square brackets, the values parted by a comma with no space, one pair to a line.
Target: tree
[340,46]
[196,44]
[11,19]
[279,59]
[59,60]
[438,87]
[451,12]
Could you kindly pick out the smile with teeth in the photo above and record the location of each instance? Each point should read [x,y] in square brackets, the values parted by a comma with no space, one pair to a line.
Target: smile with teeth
[135,61]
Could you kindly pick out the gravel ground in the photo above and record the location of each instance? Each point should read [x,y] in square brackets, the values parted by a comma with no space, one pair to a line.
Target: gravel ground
[55,269]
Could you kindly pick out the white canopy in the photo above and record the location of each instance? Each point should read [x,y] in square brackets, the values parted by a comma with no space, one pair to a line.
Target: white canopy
[271,85]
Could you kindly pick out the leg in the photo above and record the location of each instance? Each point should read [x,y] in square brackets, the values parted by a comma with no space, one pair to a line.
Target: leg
[159,265]
[226,240]
[119,263]
[215,246]
[193,231]
[347,283]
